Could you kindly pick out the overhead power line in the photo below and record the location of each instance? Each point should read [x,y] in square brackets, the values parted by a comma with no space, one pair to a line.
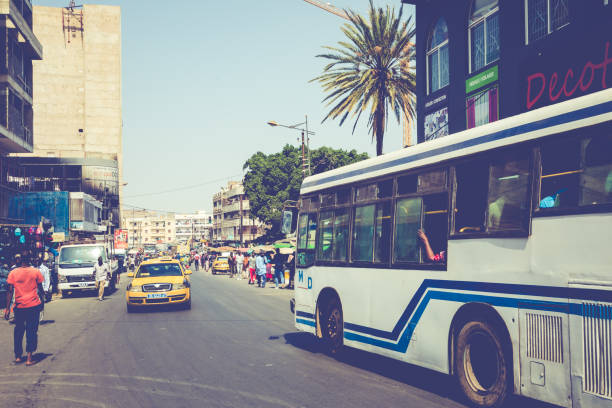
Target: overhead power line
[184,188]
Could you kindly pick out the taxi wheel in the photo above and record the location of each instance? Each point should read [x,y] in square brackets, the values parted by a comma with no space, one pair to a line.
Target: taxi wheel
[187,305]
[64,294]
[214,272]
[130,309]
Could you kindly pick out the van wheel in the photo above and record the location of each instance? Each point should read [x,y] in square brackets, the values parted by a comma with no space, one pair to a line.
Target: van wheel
[482,366]
[333,327]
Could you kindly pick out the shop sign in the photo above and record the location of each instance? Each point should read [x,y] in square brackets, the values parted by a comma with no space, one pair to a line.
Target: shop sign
[435,101]
[481,79]
[544,88]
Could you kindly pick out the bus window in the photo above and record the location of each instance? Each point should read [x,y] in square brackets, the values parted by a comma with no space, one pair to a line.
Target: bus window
[383,232]
[560,172]
[343,197]
[471,196]
[302,231]
[363,233]
[341,232]
[433,180]
[435,221]
[385,189]
[307,232]
[407,184]
[508,207]
[407,223]
[596,179]
[325,235]
[365,193]
[328,200]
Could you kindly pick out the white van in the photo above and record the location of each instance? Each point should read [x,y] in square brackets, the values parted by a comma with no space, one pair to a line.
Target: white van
[75,267]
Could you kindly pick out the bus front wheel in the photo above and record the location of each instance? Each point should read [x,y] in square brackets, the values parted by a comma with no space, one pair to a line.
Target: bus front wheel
[482,365]
[333,327]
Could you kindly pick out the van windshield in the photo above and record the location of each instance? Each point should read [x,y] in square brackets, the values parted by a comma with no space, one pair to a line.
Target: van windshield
[81,254]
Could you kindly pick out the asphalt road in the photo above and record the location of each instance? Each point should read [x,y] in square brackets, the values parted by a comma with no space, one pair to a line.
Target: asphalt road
[236,347]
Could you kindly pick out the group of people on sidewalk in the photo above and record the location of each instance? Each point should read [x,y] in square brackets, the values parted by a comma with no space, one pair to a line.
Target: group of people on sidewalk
[258,267]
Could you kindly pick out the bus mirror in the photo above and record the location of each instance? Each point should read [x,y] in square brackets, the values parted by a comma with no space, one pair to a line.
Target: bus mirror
[287,222]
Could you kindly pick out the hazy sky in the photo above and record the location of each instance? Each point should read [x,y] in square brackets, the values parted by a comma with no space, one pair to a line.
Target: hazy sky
[200,80]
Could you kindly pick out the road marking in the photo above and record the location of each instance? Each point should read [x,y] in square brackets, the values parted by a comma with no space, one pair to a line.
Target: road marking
[46,397]
[246,395]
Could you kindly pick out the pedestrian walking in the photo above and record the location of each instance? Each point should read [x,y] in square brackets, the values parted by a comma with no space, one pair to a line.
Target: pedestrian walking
[202,256]
[101,273]
[232,264]
[291,266]
[279,269]
[245,267]
[239,265]
[197,262]
[252,269]
[207,262]
[46,274]
[260,263]
[25,283]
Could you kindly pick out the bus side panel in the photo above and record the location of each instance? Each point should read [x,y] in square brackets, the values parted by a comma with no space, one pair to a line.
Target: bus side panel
[305,302]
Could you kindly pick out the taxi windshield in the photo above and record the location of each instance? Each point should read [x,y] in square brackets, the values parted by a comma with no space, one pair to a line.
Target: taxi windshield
[169,269]
[222,259]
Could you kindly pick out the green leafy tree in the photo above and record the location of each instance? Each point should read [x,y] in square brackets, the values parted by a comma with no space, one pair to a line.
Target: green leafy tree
[373,71]
[272,179]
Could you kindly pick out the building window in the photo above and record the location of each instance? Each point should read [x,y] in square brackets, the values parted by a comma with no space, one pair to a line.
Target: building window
[483,33]
[542,17]
[437,57]
[482,108]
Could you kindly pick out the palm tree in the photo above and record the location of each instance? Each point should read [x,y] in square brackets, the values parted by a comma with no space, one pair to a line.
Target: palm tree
[373,71]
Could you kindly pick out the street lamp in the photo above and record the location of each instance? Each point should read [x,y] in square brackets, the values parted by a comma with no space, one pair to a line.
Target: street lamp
[305,134]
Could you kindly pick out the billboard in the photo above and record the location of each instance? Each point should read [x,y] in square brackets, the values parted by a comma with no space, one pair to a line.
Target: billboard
[121,239]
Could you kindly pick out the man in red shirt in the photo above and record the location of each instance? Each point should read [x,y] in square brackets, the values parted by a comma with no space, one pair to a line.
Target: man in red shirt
[27,284]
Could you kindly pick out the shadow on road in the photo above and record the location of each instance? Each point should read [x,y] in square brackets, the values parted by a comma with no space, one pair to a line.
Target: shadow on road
[414,376]
[38,357]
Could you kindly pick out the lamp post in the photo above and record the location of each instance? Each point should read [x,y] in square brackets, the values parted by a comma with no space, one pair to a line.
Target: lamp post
[305,135]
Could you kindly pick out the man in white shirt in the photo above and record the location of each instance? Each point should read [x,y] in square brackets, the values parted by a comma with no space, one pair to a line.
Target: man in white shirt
[44,270]
[100,273]
[239,265]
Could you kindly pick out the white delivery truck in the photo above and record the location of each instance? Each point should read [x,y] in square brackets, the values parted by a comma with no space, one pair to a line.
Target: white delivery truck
[75,267]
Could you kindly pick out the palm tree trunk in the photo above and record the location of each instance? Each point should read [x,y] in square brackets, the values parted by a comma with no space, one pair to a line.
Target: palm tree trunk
[379,128]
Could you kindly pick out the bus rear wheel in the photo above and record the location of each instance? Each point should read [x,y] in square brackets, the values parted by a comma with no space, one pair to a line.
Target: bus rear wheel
[482,366]
[333,327]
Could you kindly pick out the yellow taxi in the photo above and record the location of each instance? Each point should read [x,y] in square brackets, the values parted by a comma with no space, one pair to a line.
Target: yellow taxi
[159,281]
[221,264]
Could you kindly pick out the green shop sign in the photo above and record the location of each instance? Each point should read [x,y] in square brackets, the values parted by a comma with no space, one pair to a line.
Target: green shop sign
[481,79]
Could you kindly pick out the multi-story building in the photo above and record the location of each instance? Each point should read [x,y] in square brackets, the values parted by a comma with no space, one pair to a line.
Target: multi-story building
[19,48]
[195,226]
[479,61]
[78,122]
[232,220]
[147,227]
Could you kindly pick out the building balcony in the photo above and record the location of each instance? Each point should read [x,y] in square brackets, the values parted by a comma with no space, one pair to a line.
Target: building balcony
[20,17]
[15,124]
[236,206]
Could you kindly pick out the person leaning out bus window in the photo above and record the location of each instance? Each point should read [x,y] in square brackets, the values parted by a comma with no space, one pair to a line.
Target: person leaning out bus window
[429,253]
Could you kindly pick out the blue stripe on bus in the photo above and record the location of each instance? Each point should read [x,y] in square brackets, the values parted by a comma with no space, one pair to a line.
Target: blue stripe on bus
[402,345]
[514,289]
[306,322]
[304,314]
[567,117]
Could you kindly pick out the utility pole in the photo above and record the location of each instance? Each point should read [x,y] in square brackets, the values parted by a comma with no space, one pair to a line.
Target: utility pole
[241,236]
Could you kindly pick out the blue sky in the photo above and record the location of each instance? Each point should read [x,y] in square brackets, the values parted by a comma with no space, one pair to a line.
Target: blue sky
[202,78]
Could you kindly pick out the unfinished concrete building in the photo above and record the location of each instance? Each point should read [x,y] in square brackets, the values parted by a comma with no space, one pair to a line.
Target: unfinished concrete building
[77,103]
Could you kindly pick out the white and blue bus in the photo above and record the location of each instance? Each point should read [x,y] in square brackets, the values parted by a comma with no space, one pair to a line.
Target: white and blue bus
[486,255]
